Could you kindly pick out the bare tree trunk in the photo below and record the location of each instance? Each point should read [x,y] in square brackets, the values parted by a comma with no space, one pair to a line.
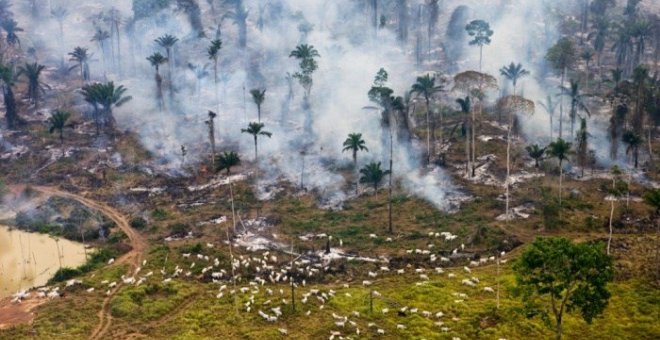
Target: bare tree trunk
[561,105]
[609,239]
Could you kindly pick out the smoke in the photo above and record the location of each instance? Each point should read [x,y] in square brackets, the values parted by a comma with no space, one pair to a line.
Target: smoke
[351,54]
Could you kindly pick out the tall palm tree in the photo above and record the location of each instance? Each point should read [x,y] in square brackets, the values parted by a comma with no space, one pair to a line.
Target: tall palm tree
[11,113]
[466,108]
[578,101]
[60,14]
[633,142]
[227,160]
[562,57]
[304,51]
[156,60]
[104,97]
[550,107]
[213,53]
[11,28]
[373,174]
[536,152]
[58,121]
[514,72]
[355,143]
[559,149]
[587,55]
[100,37]
[81,57]
[426,87]
[32,71]
[167,42]
[256,130]
[258,96]
[239,15]
[641,30]
[305,54]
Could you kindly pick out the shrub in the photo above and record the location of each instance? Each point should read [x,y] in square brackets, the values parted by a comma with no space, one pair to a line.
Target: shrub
[138,223]
[63,274]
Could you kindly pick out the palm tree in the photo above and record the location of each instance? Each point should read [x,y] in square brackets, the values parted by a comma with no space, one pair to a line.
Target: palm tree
[578,101]
[156,60]
[60,14]
[305,54]
[11,113]
[560,150]
[373,174]
[633,142]
[355,143]
[536,152]
[602,31]
[562,57]
[550,107]
[227,160]
[466,108]
[239,16]
[35,87]
[82,58]
[104,97]
[58,121]
[426,87]
[641,30]
[11,27]
[514,72]
[100,38]
[256,130]
[258,96]
[587,55]
[212,52]
[167,42]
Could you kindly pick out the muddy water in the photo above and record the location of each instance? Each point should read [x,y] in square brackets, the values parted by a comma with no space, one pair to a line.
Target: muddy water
[30,259]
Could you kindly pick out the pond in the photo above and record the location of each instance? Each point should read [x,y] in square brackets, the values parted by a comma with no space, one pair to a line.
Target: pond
[30,259]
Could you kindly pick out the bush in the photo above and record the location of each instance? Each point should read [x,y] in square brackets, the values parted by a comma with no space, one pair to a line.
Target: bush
[138,223]
[159,214]
[178,230]
[63,274]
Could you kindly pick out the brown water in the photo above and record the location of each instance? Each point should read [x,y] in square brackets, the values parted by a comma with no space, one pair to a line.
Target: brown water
[30,259]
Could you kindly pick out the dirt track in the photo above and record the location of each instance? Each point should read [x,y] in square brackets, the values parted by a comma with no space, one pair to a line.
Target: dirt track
[12,314]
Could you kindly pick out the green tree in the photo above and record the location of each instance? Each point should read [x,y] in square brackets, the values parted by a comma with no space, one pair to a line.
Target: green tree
[578,101]
[373,174]
[227,160]
[167,42]
[550,107]
[652,198]
[633,142]
[426,87]
[305,54]
[58,121]
[561,57]
[559,149]
[355,143]
[466,107]
[256,129]
[156,60]
[81,57]
[555,276]
[514,72]
[258,97]
[536,153]
[32,72]
[480,32]
[582,145]
[104,97]
[11,113]
[213,53]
